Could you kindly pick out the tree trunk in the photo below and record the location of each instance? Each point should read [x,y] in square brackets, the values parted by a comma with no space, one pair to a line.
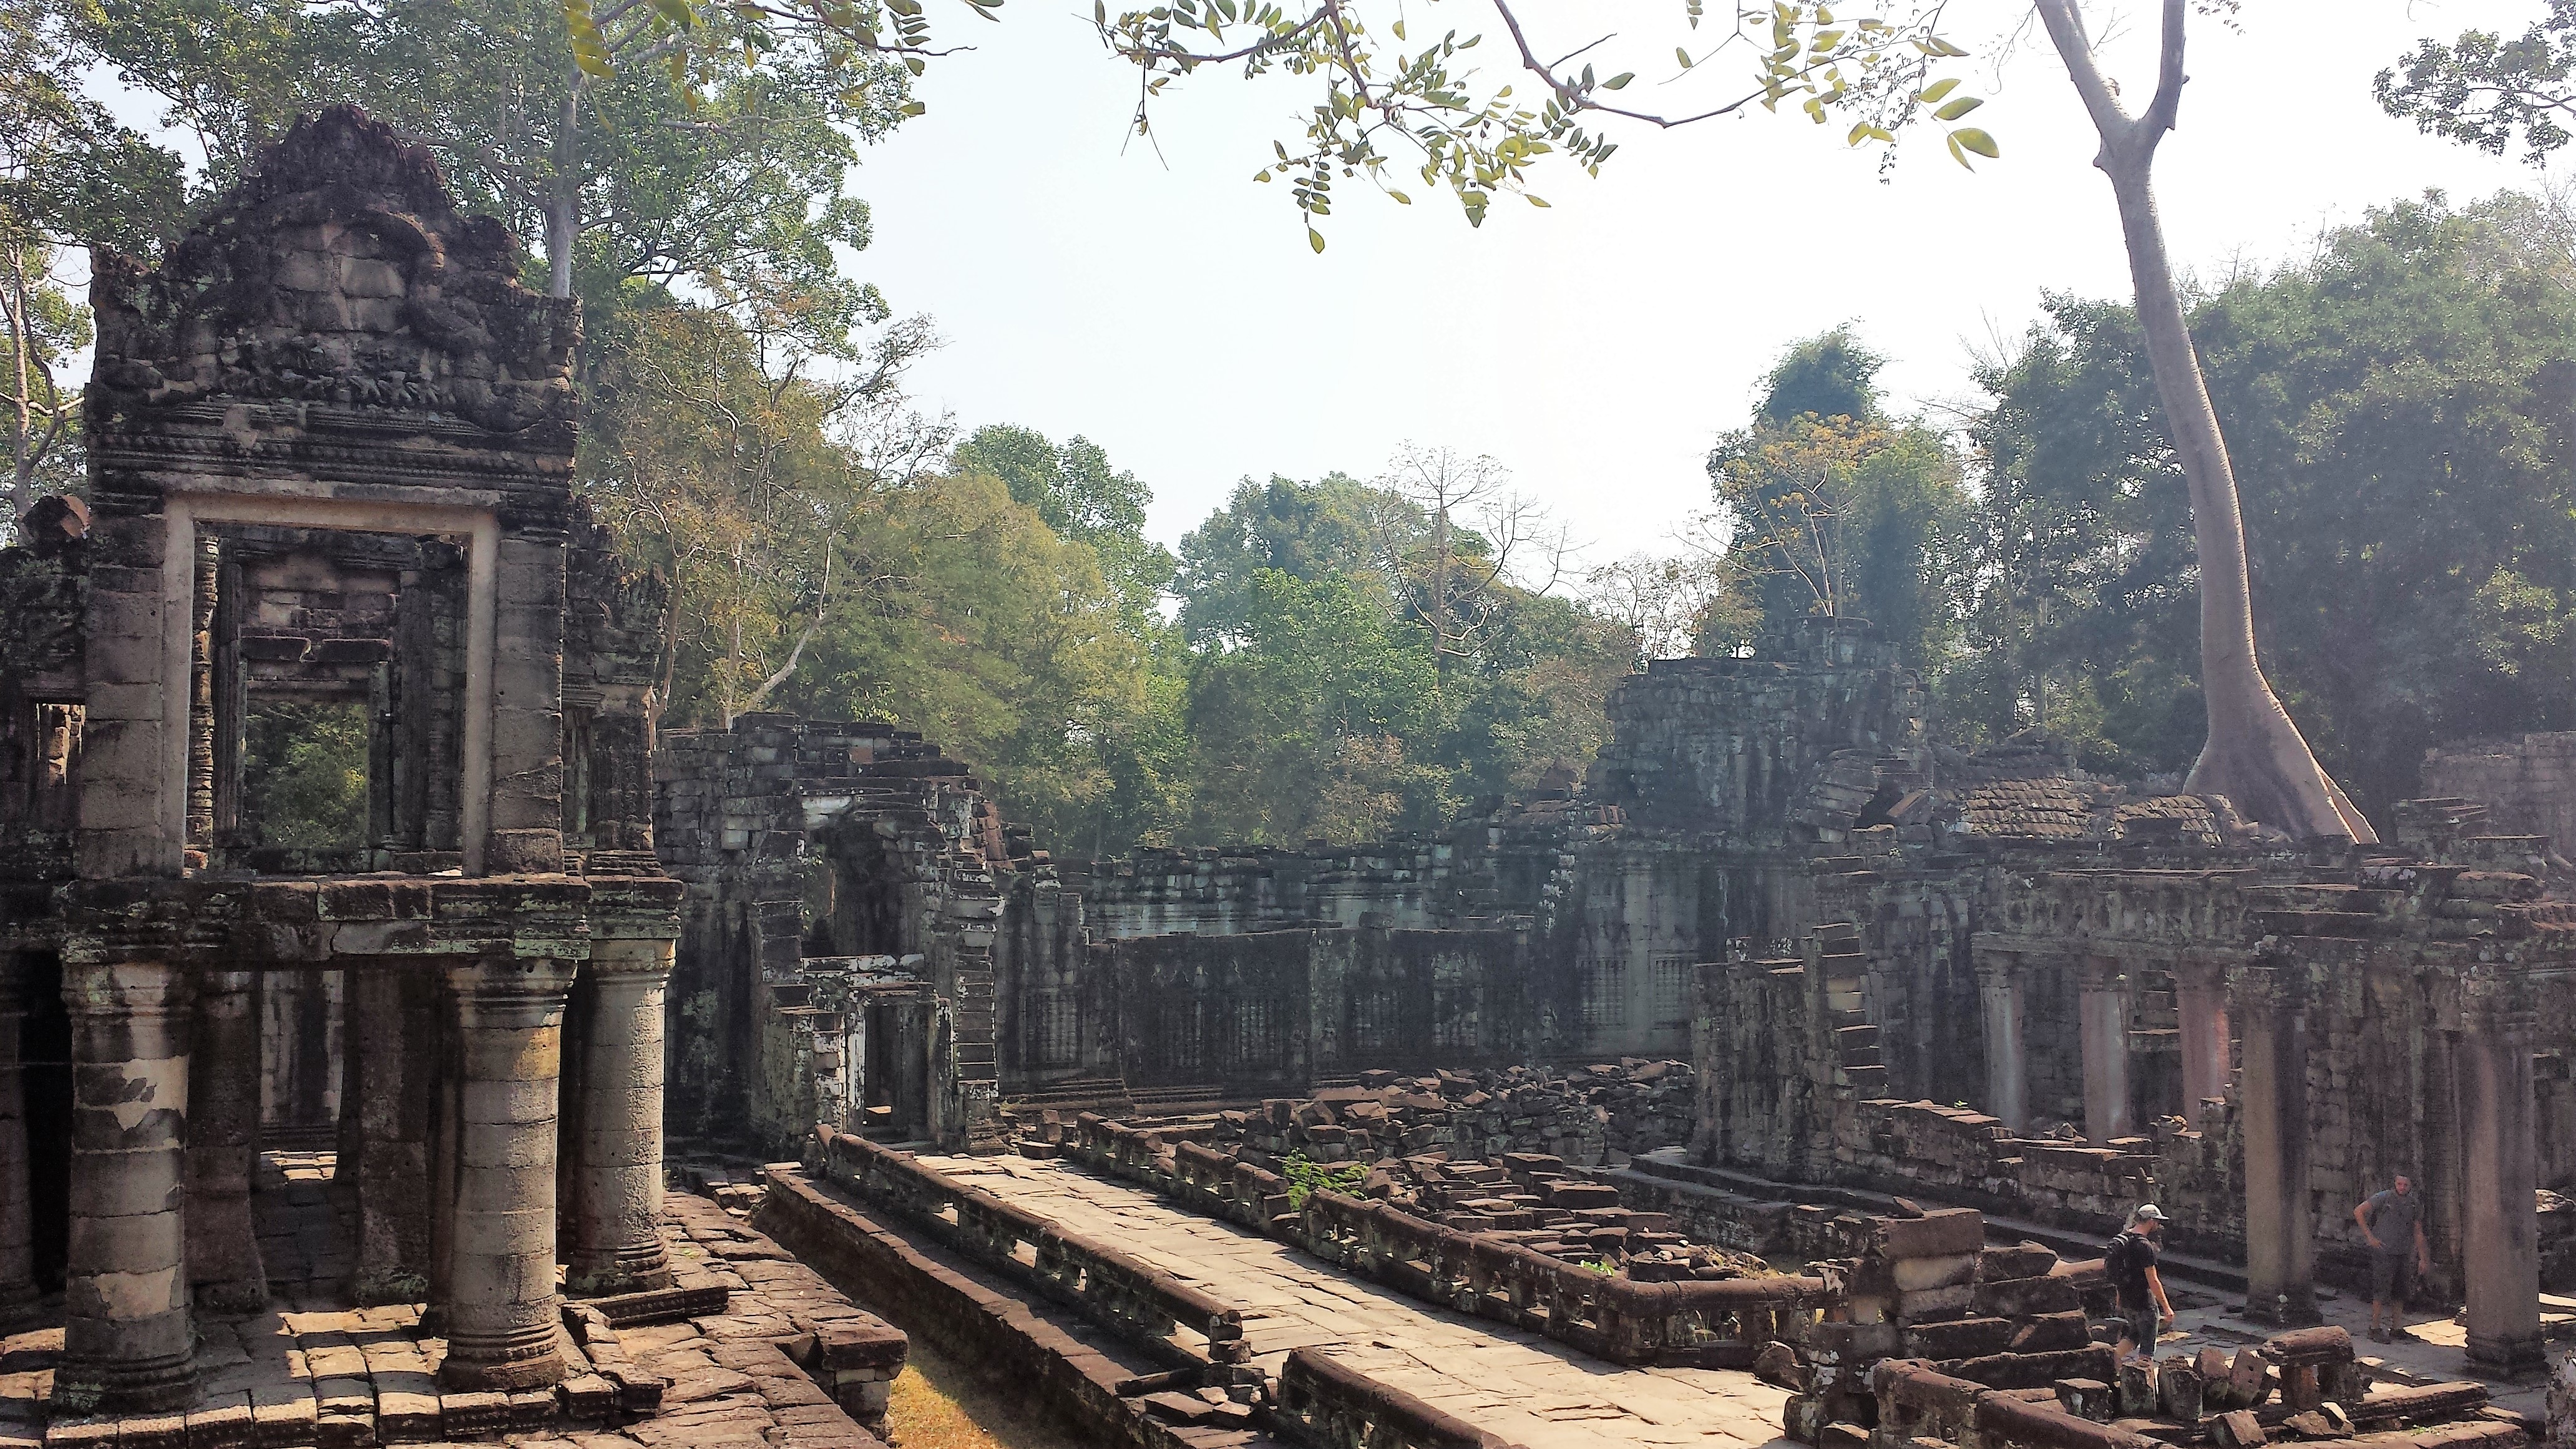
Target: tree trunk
[22,459]
[563,206]
[2255,755]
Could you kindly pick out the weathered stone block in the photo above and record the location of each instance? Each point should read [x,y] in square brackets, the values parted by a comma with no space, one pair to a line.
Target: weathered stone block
[1940,1233]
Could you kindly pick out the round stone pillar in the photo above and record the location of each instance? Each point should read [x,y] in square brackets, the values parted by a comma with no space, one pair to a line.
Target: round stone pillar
[127,1339]
[17,1228]
[224,1267]
[502,1312]
[615,1111]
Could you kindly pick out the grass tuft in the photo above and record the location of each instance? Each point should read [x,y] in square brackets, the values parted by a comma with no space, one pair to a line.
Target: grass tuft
[938,1404]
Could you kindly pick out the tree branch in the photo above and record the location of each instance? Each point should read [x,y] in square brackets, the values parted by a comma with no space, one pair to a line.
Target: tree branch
[2159,117]
[1577,100]
[787,670]
[2066,32]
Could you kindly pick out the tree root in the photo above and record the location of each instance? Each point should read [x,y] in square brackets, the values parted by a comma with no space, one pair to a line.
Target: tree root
[2257,758]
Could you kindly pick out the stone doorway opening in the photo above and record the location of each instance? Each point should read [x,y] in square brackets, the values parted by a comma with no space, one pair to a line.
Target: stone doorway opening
[893,1094]
[326,723]
[302,1058]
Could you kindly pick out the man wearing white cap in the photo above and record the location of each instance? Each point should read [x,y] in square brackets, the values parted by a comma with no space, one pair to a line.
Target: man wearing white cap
[2131,1265]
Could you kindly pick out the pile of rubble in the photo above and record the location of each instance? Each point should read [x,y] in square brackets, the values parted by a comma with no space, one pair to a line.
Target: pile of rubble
[1589,1116]
[1462,1150]
[1945,1337]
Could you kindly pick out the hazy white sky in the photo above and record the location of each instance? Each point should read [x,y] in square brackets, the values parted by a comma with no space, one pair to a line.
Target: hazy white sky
[1169,308]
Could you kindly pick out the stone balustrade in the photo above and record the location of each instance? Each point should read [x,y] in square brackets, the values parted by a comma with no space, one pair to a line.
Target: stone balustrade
[1111,1288]
[1704,1324]
[1334,1407]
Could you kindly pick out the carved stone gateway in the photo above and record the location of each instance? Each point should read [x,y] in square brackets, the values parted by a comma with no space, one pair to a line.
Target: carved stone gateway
[331,449]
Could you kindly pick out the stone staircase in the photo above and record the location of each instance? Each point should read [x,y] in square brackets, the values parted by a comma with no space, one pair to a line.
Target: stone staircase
[1857,1060]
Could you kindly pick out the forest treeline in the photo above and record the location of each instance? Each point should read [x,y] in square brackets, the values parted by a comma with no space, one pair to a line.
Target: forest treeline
[1347,656]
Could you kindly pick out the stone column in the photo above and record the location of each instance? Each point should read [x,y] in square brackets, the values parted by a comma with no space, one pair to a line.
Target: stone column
[17,1228]
[223,1144]
[2103,1013]
[2007,1091]
[127,1337]
[501,1312]
[614,1108]
[2200,1000]
[2280,1239]
[2503,1225]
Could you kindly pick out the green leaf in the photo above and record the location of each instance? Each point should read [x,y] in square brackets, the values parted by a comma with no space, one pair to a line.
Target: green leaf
[1977,141]
[1958,108]
[1683,56]
[1938,89]
[1619,81]
[589,47]
[1314,239]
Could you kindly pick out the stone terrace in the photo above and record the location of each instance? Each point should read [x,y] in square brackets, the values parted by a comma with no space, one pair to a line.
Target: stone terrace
[774,1369]
[1516,1386]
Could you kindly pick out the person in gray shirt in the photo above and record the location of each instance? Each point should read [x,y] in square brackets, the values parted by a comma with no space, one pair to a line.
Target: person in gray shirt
[2393,1223]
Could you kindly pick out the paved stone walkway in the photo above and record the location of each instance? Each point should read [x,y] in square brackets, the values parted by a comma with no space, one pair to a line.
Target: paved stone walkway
[313,1371]
[1532,1391]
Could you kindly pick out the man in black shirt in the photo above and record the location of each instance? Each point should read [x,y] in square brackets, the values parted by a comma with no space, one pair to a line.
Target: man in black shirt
[2392,1222]
[2131,1264]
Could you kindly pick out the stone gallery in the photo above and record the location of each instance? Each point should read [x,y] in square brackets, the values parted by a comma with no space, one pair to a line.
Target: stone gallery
[1785,1076]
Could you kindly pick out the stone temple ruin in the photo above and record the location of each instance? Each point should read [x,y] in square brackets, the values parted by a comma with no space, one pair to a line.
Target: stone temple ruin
[331,452]
[1783,1078]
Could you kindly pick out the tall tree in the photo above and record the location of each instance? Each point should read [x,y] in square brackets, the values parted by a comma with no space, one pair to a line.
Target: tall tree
[1452,540]
[1842,513]
[2254,755]
[2405,406]
[1082,498]
[715,156]
[1308,531]
[69,175]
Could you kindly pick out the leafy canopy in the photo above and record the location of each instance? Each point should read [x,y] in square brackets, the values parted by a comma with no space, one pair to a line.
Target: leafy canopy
[2400,410]
[2487,91]
[1404,94]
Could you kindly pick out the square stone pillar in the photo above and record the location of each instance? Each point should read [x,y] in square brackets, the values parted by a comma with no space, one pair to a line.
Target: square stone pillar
[526,835]
[127,1337]
[501,1312]
[2200,1001]
[224,1268]
[394,1035]
[613,1120]
[2280,1235]
[2102,1011]
[2007,1069]
[2502,1230]
[17,1227]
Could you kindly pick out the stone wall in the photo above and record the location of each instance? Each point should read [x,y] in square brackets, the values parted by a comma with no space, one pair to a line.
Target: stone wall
[813,840]
[2528,785]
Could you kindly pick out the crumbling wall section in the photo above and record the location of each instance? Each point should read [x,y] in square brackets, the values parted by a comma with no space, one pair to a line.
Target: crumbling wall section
[2527,784]
[800,840]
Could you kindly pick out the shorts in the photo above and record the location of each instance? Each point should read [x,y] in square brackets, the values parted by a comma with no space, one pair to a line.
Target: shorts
[2392,1278]
[2142,1324]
